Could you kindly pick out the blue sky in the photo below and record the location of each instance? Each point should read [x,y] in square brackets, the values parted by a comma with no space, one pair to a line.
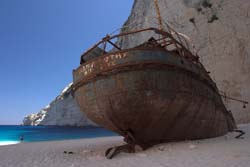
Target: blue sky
[41,42]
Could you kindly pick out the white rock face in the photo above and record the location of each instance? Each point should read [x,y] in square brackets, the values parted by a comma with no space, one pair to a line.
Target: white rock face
[220,30]
[63,111]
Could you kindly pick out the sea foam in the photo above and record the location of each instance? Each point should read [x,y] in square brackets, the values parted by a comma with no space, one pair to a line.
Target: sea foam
[2,143]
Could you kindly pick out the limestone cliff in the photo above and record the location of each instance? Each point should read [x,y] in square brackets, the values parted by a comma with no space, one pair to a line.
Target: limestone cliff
[220,30]
[62,111]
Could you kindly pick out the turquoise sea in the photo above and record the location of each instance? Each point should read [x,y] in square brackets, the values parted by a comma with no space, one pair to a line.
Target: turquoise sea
[11,134]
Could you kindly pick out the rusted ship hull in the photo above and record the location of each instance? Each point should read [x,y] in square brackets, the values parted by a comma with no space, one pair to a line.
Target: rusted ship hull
[153,94]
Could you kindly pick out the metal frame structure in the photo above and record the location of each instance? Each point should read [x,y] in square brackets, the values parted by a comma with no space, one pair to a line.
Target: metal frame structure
[166,41]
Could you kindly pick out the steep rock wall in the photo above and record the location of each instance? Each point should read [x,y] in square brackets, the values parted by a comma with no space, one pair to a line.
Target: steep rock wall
[63,111]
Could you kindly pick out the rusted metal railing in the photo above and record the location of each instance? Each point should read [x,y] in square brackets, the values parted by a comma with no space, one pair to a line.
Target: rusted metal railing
[165,40]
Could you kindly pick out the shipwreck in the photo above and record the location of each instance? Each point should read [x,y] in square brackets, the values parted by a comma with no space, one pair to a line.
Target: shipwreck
[155,92]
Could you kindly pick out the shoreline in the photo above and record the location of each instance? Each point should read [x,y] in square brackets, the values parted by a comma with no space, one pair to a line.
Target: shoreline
[224,151]
[5,143]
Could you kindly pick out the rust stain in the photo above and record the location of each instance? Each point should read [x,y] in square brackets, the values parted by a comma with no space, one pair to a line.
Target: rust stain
[151,93]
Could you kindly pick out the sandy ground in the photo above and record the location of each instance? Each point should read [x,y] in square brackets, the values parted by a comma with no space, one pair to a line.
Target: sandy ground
[225,151]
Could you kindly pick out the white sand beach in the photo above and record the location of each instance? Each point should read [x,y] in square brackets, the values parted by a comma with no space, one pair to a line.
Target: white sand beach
[224,151]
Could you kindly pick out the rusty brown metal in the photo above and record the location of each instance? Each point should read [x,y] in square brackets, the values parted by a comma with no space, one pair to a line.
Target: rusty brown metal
[117,47]
[150,94]
[115,36]
[158,14]
[183,50]
[234,99]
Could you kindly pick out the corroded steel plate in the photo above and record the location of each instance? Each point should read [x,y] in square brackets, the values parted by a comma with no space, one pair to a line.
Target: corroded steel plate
[152,93]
